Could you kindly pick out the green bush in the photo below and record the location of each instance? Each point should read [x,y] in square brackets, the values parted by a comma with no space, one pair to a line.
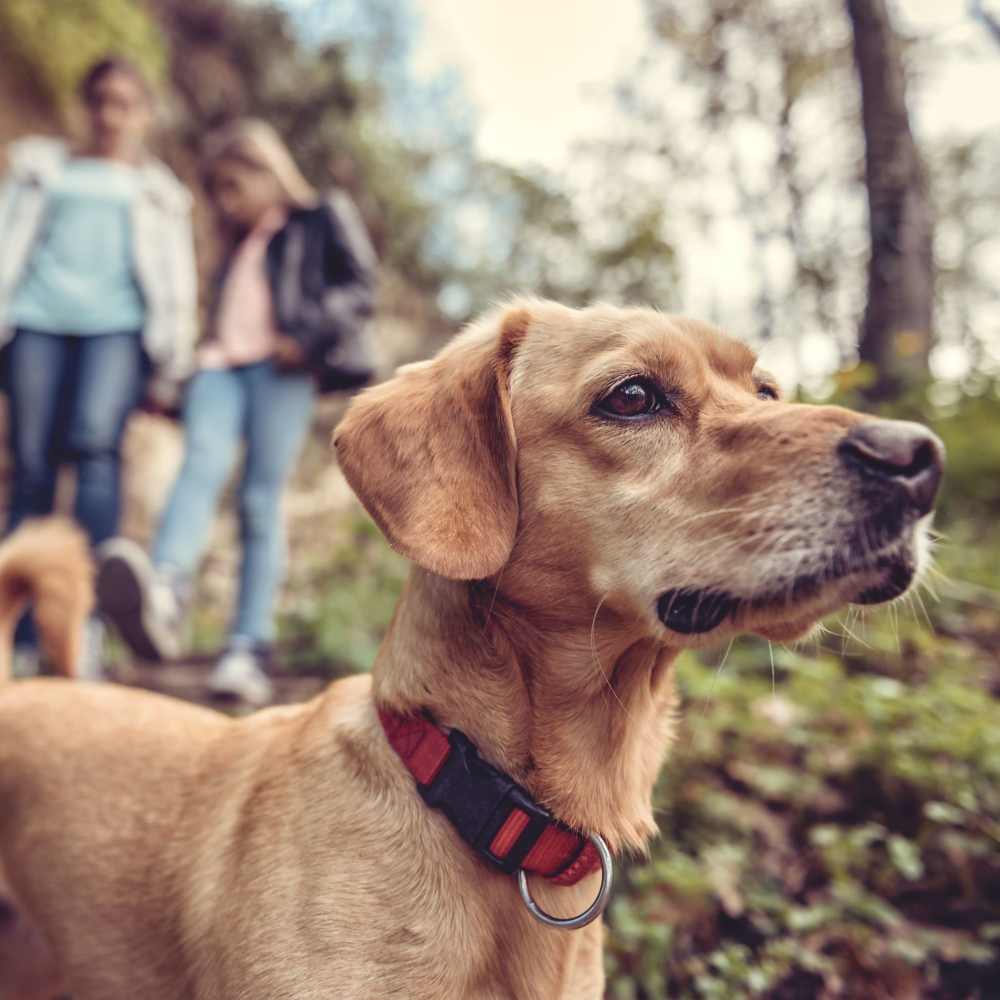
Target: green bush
[836,835]
[53,43]
[344,602]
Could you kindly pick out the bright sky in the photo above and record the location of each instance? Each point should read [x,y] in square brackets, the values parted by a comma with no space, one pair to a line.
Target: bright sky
[535,71]
[528,64]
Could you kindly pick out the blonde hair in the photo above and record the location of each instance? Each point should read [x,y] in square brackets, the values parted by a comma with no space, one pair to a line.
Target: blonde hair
[254,142]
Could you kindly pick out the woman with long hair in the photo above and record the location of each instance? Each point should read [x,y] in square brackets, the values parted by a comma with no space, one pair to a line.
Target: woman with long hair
[97,295]
[286,321]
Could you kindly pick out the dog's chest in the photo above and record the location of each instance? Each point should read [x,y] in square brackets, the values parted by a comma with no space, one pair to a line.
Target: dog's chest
[429,937]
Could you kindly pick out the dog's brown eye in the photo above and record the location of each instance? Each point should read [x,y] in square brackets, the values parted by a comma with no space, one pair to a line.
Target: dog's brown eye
[636,397]
[767,392]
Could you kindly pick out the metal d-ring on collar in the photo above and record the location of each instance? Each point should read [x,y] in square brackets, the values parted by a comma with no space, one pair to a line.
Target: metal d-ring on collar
[592,912]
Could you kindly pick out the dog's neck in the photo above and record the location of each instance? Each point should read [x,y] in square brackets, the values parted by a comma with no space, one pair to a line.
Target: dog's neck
[581,716]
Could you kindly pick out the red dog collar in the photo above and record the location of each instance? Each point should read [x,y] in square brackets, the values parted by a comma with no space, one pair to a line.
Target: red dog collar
[490,811]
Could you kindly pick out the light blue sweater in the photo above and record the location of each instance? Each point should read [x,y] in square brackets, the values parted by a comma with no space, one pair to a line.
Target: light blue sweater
[79,277]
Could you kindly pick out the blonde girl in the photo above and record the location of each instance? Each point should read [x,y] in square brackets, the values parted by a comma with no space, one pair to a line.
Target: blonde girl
[287,320]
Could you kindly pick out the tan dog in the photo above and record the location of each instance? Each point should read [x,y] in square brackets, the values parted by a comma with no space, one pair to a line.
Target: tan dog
[584,493]
[46,564]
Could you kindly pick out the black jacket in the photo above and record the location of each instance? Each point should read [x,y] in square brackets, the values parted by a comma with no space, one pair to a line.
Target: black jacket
[321,268]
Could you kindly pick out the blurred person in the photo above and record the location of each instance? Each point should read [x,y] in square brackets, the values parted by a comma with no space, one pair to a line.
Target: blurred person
[98,305]
[287,320]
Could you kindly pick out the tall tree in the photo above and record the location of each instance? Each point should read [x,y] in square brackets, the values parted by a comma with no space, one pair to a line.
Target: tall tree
[740,118]
[899,318]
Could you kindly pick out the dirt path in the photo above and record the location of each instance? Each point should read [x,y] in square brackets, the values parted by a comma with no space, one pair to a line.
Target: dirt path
[187,681]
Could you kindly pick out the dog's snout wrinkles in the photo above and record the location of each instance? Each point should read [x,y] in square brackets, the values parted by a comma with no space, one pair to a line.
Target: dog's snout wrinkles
[899,452]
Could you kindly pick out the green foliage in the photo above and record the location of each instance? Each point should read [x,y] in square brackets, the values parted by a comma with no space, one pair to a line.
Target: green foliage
[343,605]
[542,243]
[968,428]
[835,835]
[54,42]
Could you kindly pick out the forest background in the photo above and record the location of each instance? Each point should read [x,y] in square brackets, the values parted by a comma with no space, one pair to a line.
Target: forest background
[831,815]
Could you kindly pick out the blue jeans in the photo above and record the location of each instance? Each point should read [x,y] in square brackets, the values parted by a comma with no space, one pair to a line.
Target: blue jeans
[69,400]
[270,412]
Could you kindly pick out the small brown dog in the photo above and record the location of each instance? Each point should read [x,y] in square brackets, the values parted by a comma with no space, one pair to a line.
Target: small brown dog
[46,564]
[584,493]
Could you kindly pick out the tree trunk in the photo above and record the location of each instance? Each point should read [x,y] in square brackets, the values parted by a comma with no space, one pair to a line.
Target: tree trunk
[985,18]
[899,318]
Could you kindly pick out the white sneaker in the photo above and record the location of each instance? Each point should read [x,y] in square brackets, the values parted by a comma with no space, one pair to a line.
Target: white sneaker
[91,664]
[239,676]
[144,608]
[26,662]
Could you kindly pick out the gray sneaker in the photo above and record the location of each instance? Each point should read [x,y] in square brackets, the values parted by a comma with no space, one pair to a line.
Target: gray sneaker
[239,676]
[144,607]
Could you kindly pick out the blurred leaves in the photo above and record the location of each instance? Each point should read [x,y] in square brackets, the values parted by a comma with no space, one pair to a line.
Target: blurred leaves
[342,606]
[53,43]
[848,851]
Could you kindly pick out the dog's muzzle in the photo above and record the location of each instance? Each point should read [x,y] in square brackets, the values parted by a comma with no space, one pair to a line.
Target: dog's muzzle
[896,468]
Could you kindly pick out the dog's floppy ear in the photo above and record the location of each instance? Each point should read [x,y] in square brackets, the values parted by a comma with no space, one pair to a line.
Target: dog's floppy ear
[431,453]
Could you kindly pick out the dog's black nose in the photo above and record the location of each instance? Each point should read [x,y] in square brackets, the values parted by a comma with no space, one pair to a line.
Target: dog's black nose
[899,452]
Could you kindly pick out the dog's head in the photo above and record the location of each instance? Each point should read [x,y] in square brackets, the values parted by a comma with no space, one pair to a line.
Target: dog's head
[643,463]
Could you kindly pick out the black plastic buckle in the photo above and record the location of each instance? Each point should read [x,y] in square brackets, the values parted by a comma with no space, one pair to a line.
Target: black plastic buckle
[478,798]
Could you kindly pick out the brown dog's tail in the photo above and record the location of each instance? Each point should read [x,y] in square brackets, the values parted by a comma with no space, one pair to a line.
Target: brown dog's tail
[46,564]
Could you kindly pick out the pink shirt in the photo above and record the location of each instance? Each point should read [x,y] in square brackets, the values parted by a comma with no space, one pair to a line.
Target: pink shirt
[245,330]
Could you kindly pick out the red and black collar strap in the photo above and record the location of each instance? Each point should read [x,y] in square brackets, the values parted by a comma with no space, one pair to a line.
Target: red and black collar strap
[491,812]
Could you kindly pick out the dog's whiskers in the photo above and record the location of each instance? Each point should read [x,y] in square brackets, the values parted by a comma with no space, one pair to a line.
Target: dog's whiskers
[911,606]
[596,655]
[919,601]
[940,575]
[853,617]
[717,675]
[894,619]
